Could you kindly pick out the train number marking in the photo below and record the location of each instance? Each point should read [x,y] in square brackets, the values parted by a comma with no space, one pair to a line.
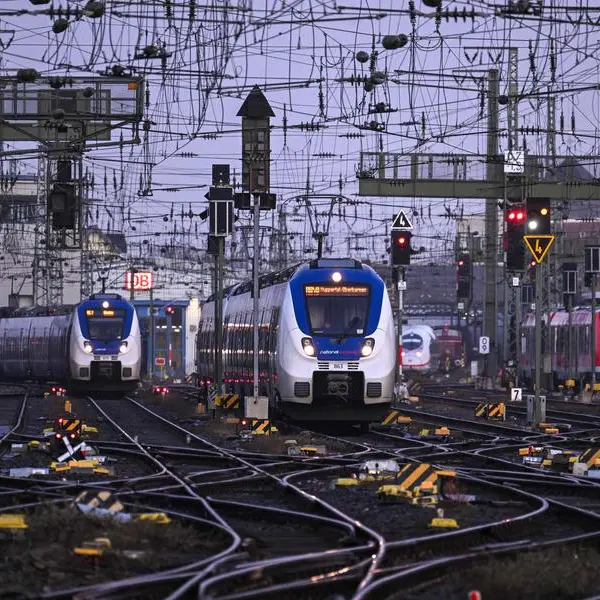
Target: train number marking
[340,366]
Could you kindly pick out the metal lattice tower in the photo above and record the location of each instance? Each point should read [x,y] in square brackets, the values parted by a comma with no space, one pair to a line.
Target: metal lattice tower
[512,292]
[87,264]
[47,264]
[54,246]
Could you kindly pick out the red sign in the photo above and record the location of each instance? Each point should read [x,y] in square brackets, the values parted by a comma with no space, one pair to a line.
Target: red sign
[159,361]
[142,281]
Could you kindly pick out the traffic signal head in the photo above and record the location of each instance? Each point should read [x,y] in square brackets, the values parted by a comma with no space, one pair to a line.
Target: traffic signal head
[538,216]
[464,266]
[515,247]
[401,249]
[62,204]
[516,215]
[169,310]
[464,277]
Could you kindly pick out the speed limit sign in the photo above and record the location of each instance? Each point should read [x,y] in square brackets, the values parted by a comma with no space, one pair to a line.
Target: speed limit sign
[484,344]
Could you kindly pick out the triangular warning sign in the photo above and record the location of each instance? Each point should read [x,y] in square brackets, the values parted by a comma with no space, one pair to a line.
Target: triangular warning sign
[401,221]
[539,245]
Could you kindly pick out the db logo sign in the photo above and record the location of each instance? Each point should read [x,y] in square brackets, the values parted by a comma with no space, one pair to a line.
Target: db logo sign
[142,281]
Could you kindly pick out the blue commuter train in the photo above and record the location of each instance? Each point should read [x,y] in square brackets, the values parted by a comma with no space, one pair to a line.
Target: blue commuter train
[92,347]
[326,341]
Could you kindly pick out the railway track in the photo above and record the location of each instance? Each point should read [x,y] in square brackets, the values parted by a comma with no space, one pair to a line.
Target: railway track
[282,529]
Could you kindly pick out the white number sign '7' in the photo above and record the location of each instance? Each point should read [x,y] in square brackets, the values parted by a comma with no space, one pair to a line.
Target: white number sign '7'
[516,394]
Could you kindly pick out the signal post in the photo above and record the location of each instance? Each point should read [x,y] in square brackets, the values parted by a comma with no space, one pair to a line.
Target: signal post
[256,114]
[400,254]
[220,197]
[538,240]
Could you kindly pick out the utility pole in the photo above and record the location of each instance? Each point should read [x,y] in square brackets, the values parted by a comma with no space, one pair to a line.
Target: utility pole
[592,268]
[219,315]
[255,295]
[256,159]
[538,413]
[550,279]
[151,336]
[511,291]
[593,328]
[401,288]
[490,313]
[132,272]
[283,240]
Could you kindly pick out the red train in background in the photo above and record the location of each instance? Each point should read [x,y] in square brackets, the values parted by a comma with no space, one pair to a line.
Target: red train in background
[448,349]
[570,345]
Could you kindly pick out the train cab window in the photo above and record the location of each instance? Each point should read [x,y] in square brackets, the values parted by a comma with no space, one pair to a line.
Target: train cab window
[337,310]
[411,341]
[106,325]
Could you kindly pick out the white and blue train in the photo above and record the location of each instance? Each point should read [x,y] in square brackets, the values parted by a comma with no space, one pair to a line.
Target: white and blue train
[94,346]
[326,341]
[417,343]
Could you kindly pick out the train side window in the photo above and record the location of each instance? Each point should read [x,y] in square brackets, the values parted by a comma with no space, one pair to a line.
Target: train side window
[583,339]
[247,345]
[261,341]
[211,345]
[206,345]
[273,340]
[236,344]
[226,343]
[200,347]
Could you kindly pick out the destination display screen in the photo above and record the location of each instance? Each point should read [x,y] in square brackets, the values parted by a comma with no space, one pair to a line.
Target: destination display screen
[104,312]
[312,291]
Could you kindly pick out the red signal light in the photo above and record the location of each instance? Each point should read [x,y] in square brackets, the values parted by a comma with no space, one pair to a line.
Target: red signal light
[401,241]
[516,215]
[461,262]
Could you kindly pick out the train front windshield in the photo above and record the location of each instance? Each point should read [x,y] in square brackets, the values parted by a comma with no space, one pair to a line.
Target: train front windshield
[105,325]
[337,309]
[412,341]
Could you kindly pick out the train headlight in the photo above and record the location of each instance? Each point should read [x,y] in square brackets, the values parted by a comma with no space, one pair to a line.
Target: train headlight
[308,346]
[368,346]
[87,347]
[419,353]
[123,347]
